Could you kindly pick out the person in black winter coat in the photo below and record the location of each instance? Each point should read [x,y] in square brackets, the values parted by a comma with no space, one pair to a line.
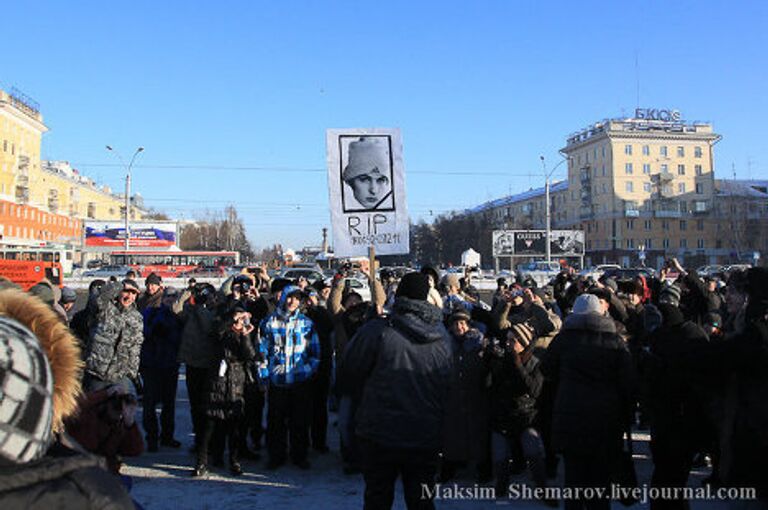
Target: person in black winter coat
[516,384]
[323,321]
[591,369]
[159,370]
[403,365]
[677,412]
[466,425]
[744,430]
[227,394]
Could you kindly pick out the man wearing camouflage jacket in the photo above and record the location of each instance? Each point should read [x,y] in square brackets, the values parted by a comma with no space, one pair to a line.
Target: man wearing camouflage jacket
[115,344]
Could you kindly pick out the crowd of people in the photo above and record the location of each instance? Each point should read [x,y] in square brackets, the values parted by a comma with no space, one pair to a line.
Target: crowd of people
[425,378]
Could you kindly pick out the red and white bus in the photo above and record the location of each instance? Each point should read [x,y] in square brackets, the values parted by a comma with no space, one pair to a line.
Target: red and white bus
[28,266]
[176,264]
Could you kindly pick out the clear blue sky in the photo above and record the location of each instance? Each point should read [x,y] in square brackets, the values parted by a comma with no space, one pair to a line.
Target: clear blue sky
[479,89]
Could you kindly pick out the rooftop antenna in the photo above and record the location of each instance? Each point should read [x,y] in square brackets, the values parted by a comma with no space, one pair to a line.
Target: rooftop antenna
[637,79]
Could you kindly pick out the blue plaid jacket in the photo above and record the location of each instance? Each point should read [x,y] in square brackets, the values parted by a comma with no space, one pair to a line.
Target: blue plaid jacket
[289,347]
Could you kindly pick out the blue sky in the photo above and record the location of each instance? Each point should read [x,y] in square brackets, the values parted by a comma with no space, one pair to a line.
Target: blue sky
[236,95]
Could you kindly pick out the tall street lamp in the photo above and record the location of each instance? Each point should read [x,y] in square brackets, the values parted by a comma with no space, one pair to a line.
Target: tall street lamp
[546,202]
[127,193]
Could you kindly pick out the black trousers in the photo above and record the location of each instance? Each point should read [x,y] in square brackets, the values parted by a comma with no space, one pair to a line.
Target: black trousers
[229,429]
[672,462]
[198,387]
[252,422]
[159,388]
[319,425]
[588,471]
[381,468]
[288,415]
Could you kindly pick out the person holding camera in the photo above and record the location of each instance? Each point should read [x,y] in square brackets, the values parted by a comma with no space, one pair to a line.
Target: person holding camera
[226,398]
[106,425]
[290,351]
[198,349]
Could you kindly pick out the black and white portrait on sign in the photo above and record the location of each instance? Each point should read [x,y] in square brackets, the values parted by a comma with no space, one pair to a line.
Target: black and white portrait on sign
[503,243]
[367,179]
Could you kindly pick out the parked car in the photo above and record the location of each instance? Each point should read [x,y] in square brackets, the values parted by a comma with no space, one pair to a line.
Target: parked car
[107,271]
[359,285]
[598,271]
[631,273]
[540,272]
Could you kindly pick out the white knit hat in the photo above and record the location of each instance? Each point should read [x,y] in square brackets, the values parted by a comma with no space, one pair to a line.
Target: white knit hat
[587,303]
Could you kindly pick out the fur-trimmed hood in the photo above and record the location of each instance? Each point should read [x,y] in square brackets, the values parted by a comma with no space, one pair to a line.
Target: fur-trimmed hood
[59,344]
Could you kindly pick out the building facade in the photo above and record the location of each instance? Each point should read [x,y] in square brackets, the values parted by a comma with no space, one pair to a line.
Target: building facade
[43,202]
[643,189]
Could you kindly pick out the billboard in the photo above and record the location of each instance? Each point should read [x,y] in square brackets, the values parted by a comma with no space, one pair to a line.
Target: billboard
[144,234]
[530,243]
[366,187]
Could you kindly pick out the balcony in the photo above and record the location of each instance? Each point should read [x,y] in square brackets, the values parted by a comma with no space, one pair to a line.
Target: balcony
[666,176]
[632,213]
[668,213]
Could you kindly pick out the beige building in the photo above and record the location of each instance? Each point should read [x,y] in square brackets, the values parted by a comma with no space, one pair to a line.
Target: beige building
[645,187]
[43,202]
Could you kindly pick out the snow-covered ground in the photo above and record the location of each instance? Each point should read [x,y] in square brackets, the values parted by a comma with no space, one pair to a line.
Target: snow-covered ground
[162,480]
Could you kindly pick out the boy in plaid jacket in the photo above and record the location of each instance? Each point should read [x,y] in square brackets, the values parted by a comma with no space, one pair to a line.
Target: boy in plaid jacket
[290,352]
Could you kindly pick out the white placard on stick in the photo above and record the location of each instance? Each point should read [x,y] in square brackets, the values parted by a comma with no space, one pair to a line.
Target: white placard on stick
[366,186]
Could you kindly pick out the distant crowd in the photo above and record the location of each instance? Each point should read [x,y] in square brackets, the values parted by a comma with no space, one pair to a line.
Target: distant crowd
[426,380]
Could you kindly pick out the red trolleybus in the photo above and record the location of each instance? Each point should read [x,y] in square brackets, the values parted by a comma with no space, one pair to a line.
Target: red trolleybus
[28,266]
[177,264]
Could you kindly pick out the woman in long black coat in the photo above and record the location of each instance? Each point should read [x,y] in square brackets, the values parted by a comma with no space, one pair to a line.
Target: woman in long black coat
[227,396]
[467,431]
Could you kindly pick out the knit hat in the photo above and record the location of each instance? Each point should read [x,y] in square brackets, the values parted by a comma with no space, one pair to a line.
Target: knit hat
[522,333]
[68,295]
[587,303]
[153,279]
[367,156]
[44,292]
[459,315]
[26,386]
[130,285]
[278,284]
[670,294]
[652,318]
[611,284]
[413,286]
[452,280]
[432,272]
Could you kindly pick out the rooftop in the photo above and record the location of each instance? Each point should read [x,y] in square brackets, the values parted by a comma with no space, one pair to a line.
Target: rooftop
[512,199]
[742,188]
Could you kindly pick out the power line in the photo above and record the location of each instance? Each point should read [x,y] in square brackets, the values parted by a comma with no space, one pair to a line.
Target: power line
[292,169]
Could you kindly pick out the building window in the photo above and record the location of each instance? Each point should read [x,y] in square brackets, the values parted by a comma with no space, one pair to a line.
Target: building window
[683,242]
[683,225]
[630,244]
[699,225]
[603,170]
[605,189]
[698,170]
[586,157]
[647,168]
[646,150]
[700,244]
[664,168]
[629,187]
[663,150]
[648,224]
[665,225]
[699,188]
[681,187]
[630,224]
[603,150]
[628,168]
[680,152]
[697,152]
[628,150]
[649,244]
[665,243]
[647,187]
[680,169]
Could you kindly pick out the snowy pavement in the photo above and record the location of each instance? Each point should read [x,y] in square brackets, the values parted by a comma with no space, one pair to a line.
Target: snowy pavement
[162,480]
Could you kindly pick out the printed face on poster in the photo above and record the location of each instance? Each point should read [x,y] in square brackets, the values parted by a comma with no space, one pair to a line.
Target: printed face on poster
[367,191]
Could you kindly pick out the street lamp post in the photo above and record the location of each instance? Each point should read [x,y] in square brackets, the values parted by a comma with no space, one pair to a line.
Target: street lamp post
[547,212]
[127,192]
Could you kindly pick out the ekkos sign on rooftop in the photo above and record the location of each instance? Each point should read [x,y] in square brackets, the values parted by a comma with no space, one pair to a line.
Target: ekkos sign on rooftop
[654,114]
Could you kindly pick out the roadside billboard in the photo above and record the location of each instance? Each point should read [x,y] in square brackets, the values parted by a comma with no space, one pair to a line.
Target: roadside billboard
[366,186]
[111,234]
[531,243]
